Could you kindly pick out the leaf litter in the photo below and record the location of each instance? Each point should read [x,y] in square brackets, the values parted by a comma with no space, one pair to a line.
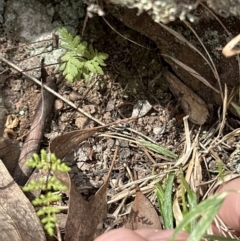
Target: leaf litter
[143,214]
[85,218]
[187,145]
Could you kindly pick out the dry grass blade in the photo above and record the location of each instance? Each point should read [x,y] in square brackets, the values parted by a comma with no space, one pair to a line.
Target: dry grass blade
[192,72]
[224,112]
[181,38]
[229,50]
[215,16]
[128,192]
[189,146]
[209,56]
[50,90]
[110,26]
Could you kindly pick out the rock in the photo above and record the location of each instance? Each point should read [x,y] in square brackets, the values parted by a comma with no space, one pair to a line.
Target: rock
[169,10]
[2,5]
[141,108]
[34,20]
[27,19]
[212,35]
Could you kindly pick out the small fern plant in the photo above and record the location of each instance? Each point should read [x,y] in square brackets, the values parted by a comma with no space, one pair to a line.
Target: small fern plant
[49,185]
[80,58]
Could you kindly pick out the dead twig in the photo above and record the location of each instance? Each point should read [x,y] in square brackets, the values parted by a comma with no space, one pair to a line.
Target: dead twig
[51,90]
[69,102]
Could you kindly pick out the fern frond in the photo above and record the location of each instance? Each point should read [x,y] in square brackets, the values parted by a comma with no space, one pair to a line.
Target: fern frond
[80,59]
[47,211]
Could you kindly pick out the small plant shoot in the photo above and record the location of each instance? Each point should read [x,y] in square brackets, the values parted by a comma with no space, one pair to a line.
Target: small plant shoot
[50,185]
[80,58]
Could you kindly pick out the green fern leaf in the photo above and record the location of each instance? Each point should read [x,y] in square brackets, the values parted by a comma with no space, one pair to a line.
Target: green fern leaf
[62,67]
[67,47]
[81,48]
[92,51]
[78,62]
[68,56]
[69,77]
[80,59]
[102,56]
[87,55]
[72,69]
[90,67]
[65,35]
[98,68]
[85,73]
[76,41]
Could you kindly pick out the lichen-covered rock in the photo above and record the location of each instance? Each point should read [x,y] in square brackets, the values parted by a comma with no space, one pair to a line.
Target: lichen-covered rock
[169,10]
[2,5]
[225,8]
[161,11]
[34,20]
[27,19]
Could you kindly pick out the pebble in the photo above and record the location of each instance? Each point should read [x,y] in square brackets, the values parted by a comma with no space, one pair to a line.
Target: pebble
[73,96]
[58,104]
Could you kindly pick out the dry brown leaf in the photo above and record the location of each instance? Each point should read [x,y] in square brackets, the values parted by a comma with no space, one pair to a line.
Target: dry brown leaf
[191,103]
[142,214]
[19,220]
[64,144]
[84,221]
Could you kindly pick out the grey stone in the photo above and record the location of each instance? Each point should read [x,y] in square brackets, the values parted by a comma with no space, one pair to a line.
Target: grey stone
[27,19]
[33,20]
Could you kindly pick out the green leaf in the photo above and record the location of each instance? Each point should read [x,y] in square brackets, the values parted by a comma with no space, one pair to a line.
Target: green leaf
[69,77]
[167,210]
[97,67]
[80,59]
[208,210]
[76,41]
[91,50]
[70,69]
[90,67]
[77,62]
[158,149]
[81,48]
[192,200]
[68,56]
[65,35]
